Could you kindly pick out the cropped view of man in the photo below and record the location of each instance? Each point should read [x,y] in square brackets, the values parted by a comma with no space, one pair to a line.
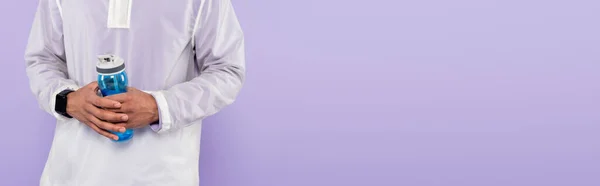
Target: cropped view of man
[184,61]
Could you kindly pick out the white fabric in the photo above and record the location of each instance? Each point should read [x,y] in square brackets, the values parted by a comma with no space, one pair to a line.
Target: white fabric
[119,13]
[188,54]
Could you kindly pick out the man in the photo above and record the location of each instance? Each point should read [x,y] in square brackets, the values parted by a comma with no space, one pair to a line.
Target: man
[185,61]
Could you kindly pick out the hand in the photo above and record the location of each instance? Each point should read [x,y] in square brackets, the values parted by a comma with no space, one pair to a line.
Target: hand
[139,106]
[87,107]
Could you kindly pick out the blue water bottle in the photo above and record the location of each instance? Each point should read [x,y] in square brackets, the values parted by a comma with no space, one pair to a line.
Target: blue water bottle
[112,79]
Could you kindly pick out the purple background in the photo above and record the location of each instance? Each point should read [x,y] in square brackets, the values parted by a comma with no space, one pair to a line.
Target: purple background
[382,93]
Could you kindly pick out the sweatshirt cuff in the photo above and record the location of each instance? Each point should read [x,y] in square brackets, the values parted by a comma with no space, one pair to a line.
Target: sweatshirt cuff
[165,120]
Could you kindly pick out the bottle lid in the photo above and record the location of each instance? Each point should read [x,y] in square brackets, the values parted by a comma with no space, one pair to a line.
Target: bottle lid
[110,64]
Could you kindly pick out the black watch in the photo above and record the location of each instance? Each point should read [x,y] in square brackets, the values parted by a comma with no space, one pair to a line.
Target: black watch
[61,103]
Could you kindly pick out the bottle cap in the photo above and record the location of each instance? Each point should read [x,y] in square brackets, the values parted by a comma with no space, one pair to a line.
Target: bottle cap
[110,64]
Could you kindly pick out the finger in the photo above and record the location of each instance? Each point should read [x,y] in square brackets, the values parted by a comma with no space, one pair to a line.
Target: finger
[125,108]
[119,110]
[104,102]
[107,115]
[123,97]
[124,125]
[102,132]
[105,125]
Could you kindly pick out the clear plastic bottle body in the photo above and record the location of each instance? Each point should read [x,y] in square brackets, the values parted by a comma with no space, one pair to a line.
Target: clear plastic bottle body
[111,84]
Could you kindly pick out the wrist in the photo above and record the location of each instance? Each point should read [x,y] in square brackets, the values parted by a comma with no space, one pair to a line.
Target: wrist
[155,116]
[155,110]
[69,107]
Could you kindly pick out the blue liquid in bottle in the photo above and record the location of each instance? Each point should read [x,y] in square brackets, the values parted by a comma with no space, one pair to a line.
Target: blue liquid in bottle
[112,79]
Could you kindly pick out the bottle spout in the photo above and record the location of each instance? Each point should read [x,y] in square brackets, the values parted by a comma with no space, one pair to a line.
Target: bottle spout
[109,63]
[107,58]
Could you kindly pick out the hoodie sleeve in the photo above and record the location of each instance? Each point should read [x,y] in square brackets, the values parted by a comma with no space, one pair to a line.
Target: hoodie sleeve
[220,55]
[45,57]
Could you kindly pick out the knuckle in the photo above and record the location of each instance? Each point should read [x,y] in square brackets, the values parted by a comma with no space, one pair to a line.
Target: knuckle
[103,115]
[99,125]
[95,109]
[90,119]
[91,113]
[89,108]
[95,122]
[98,113]
[103,125]
[97,102]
